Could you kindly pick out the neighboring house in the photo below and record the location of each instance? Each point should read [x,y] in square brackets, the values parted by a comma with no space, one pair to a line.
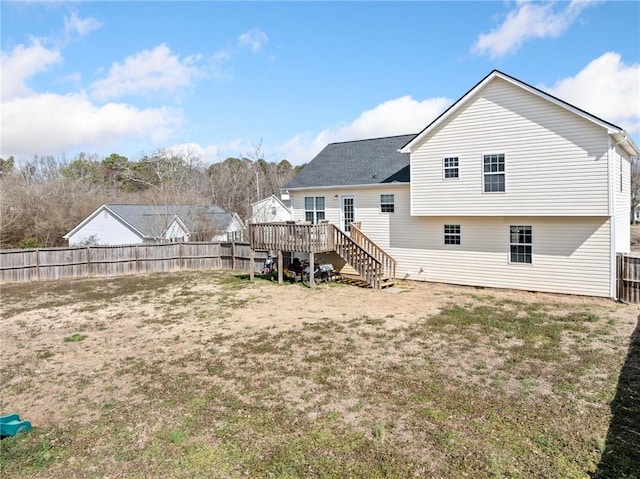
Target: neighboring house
[271,210]
[510,187]
[115,224]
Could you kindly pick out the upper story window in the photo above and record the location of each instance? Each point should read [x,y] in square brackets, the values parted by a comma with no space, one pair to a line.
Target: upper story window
[387,203]
[450,167]
[621,176]
[314,209]
[520,244]
[452,234]
[493,173]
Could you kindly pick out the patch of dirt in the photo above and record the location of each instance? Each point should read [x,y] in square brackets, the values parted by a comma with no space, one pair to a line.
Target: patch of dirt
[48,378]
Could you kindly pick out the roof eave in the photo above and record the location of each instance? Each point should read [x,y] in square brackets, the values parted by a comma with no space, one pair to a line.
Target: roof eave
[364,185]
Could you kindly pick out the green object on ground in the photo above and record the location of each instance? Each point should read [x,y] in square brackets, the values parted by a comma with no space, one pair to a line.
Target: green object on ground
[11,425]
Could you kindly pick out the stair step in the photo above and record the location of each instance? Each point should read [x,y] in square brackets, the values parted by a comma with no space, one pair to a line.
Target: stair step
[357,280]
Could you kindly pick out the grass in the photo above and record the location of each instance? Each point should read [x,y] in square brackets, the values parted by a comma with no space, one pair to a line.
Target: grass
[75,338]
[496,388]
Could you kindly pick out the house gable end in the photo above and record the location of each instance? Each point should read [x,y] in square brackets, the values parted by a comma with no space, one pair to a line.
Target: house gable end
[620,135]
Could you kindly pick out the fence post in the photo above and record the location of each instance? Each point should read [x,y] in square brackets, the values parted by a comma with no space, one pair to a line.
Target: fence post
[233,256]
[252,263]
[180,265]
[38,264]
[88,261]
[135,248]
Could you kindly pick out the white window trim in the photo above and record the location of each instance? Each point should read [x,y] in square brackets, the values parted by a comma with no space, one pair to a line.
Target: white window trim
[444,235]
[509,245]
[482,173]
[444,169]
[392,203]
[314,210]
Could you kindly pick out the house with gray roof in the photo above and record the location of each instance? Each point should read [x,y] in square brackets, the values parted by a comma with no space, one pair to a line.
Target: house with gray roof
[117,224]
[510,187]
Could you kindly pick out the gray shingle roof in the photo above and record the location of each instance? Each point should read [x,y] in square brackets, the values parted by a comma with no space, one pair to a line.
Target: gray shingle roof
[152,220]
[362,162]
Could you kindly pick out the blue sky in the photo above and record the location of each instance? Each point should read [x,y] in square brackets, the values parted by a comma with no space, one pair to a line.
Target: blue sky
[217,79]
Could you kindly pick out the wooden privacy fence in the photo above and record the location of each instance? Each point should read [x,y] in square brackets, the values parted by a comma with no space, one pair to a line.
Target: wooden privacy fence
[628,278]
[84,262]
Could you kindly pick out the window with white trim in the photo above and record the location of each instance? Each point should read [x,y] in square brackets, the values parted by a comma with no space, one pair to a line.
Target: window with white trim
[450,167]
[452,234]
[387,203]
[314,209]
[520,243]
[493,178]
[621,176]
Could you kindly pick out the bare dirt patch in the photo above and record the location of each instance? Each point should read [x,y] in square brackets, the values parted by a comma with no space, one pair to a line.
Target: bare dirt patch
[427,370]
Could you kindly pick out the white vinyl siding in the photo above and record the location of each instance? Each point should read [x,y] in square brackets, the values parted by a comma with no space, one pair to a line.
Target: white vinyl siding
[556,161]
[622,201]
[367,199]
[105,229]
[175,232]
[571,254]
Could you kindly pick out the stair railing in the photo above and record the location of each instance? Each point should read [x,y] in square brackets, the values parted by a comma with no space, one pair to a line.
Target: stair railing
[367,266]
[388,262]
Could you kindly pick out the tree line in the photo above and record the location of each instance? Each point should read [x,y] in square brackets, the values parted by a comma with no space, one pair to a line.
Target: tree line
[44,198]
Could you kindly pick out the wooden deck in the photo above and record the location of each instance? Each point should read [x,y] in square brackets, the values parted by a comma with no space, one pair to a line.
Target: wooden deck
[372,263]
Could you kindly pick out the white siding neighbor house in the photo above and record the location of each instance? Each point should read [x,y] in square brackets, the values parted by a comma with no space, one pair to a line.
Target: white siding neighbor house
[271,210]
[118,224]
[510,188]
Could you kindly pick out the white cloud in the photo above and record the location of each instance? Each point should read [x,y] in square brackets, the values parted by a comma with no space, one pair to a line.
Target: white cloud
[400,116]
[149,71]
[24,62]
[528,21]
[48,124]
[253,38]
[607,88]
[74,25]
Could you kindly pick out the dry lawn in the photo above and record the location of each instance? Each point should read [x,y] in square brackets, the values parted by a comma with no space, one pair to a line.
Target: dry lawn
[210,375]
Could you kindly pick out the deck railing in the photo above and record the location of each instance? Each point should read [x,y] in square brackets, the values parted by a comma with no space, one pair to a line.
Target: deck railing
[369,261]
[388,263]
[291,237]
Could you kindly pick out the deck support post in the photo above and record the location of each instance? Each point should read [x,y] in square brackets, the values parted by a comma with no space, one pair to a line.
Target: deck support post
[312,263]
[280,272]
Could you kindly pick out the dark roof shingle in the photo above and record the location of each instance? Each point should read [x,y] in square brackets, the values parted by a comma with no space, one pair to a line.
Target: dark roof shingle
[361,162]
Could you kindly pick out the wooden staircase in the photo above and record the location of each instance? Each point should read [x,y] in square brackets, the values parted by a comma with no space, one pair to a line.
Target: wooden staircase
[376,269]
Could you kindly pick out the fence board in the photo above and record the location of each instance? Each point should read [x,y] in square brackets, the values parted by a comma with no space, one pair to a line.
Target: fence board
[628,278]
[83,262]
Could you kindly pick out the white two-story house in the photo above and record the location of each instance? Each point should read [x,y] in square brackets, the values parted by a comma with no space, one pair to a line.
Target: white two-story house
[510,188]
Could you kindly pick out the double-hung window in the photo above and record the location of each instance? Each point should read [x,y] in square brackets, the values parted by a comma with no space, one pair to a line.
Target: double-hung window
[493,173]
[314,209]
[387,203]
[450,167]
[520,244]
[452,234]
